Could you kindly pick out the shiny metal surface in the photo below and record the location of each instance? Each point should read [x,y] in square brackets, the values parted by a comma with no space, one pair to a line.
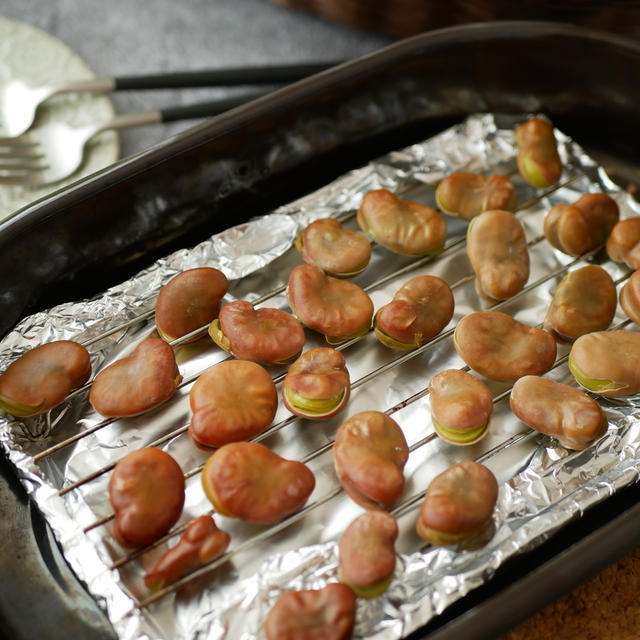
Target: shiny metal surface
[543,486]
[37,58]
[54,151]
[19,101]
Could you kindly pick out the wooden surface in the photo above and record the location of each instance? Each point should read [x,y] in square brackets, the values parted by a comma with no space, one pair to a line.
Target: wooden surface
[607,607]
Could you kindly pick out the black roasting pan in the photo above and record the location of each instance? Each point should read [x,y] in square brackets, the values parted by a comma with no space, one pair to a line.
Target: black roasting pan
[102,230]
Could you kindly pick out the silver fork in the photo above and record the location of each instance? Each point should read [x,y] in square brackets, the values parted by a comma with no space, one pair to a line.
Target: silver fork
[19,101]
[54,151]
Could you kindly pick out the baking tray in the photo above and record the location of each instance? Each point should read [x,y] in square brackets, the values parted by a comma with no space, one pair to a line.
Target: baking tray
[79,241]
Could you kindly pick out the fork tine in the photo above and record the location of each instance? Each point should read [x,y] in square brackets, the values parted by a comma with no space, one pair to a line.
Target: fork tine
[21,161]
[18,141]
[21,165]
[19,152]
[16,170]
[18,178]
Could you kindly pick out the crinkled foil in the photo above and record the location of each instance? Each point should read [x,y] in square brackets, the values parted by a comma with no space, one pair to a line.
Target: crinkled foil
[542,485]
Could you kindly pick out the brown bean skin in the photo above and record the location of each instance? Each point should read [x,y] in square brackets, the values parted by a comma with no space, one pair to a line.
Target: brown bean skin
[630,297]
[466,195]
[232,400]
[189,301]
[500,348]
[461,406]
[402,226]
[146,490]
[367,556]
[137,383]
[623,244]
[420,309]
[558,410]
[582,226]
[246,480]
[264,335]
[369,454]
[338,309]
[584,301]
[339,252]
[497,250]
[313,614]
[317,385]
[606,362]
[200,544]
[538,160]
[42,377]
[458,504]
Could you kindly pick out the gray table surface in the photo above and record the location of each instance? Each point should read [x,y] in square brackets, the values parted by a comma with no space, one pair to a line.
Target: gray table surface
[125,37]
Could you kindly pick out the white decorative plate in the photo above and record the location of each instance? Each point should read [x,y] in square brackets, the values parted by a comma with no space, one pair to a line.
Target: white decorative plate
[32,55]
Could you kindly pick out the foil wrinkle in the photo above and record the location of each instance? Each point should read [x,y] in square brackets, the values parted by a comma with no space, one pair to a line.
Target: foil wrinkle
[542,485]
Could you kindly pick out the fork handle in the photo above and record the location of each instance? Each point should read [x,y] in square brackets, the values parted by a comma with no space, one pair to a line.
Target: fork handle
[171,114]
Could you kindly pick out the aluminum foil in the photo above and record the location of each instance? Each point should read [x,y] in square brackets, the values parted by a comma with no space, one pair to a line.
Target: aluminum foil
[542,485]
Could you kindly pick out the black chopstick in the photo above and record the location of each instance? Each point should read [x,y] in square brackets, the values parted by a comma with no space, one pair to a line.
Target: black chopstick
[206,109]
[275,74]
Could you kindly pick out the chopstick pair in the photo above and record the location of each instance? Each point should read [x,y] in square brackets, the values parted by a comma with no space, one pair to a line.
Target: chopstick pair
[20,101]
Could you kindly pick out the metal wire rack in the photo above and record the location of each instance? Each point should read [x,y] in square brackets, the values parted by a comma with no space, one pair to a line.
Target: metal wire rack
[463,284]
